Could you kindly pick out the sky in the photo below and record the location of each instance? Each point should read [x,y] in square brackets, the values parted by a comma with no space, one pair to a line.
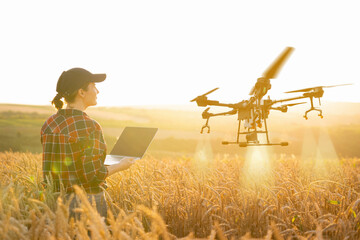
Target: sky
[169,52]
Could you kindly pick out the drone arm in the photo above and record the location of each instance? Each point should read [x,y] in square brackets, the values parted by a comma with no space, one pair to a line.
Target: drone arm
[207,115]
[232,112]
[288,99]
[279,109]
[212,102]
[217,103]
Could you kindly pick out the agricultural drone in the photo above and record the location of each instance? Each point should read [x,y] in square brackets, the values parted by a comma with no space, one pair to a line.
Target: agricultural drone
[254,111]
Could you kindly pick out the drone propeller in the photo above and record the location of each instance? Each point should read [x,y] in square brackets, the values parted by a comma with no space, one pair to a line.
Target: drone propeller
[198,97]
[319,87]
[303,90]
[338,85]
[271,72]
[275,67]
[284,108]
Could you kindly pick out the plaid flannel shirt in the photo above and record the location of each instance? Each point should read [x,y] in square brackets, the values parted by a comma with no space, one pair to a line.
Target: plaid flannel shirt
[74,151]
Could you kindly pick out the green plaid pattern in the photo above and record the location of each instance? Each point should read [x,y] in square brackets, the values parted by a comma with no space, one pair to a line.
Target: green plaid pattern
[74,151]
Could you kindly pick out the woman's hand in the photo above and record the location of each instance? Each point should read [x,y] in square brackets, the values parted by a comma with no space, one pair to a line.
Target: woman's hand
[124,164]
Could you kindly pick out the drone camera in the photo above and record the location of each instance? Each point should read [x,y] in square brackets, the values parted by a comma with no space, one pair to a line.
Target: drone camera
[251,137]
[243,144]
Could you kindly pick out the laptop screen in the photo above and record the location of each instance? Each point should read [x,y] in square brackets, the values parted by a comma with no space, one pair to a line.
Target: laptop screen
[134,141]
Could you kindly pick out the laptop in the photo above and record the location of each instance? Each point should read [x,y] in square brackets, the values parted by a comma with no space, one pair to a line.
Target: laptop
[133,142]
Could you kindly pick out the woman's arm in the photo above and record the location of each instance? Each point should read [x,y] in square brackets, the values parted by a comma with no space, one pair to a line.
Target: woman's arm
[123,165]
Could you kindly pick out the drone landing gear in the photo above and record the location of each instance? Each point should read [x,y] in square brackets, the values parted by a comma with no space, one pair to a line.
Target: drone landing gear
[313,109]
[205,126]
[248,144]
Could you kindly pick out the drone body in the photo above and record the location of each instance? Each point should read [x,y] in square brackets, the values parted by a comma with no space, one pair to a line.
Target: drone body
[255,111]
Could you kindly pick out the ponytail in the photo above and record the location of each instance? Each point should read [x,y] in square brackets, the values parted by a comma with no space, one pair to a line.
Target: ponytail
[57,101]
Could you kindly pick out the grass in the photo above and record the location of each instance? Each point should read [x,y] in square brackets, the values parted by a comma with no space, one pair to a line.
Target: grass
[182,196]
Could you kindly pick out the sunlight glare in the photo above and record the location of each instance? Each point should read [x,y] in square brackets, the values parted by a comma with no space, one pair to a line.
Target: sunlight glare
[309,147]
[326,158]
[257,164]
[203,154]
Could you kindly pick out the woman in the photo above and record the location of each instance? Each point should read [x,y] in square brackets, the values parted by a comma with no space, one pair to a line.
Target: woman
[74,149]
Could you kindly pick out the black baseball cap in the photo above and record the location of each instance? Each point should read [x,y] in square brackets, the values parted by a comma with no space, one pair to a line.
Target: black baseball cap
[75,78]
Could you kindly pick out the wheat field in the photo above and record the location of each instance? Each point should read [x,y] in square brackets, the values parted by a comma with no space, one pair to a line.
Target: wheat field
[171,198]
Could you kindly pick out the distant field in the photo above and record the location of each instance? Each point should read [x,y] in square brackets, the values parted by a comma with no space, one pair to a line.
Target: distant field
[179,130]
